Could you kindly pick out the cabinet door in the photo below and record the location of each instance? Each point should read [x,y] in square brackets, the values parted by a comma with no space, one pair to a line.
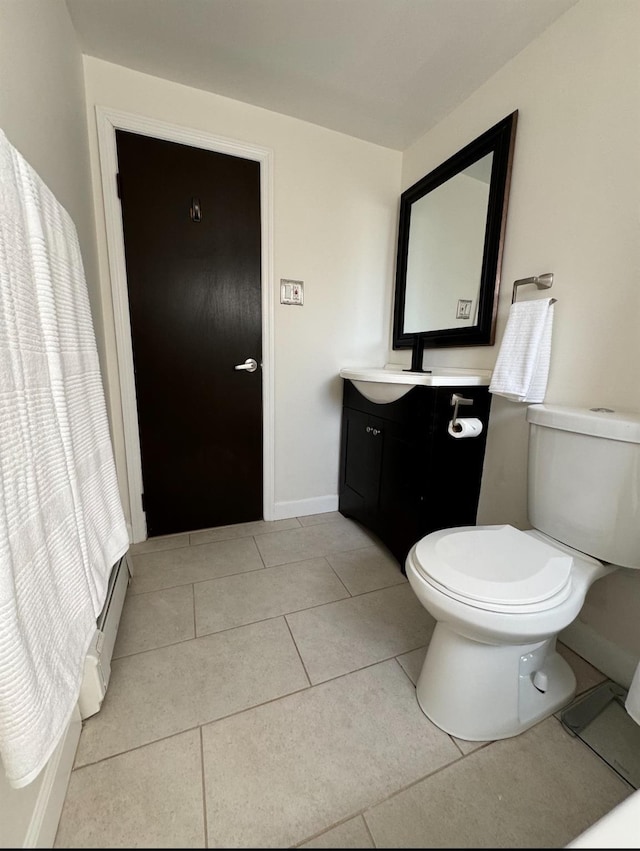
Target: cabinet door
[362,450]
[403,481]
[401,473]
[456,465]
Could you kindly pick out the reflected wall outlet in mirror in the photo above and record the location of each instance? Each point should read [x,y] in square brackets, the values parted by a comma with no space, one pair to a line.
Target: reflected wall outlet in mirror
[291,292]
[464,308]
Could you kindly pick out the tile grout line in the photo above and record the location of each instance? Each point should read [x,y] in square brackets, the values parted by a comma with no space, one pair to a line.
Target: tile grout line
[204,790]
[394,794]
[200,725]
[196,726]
[368,829]
[295,644]
[196,581]
[346,820]
[340,580]
[255,544]
[351,596]
[214,540]
[195,621]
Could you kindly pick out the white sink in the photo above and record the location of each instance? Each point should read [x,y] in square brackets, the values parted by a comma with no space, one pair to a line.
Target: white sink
[391,382]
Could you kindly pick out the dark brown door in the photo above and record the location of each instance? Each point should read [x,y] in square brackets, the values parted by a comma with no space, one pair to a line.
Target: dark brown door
[191,221]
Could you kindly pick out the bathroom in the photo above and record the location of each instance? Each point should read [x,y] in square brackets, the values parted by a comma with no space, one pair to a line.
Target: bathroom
[572,211]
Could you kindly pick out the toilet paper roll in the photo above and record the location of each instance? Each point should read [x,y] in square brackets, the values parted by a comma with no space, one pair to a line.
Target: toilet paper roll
[465,427]
[632,703]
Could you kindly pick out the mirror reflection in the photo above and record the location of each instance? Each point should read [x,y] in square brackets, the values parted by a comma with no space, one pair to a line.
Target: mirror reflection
[450,238]
[446,243]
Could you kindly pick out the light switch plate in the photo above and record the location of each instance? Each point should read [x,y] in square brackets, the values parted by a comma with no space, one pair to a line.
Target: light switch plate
[291,292]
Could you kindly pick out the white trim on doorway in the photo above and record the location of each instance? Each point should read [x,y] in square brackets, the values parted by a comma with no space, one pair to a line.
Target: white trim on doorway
[108,121]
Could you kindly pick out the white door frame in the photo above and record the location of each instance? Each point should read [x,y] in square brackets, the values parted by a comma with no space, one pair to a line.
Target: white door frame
[108,121]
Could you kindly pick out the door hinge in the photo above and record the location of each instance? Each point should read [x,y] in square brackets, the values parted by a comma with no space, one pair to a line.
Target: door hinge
[118,185]
[142,500]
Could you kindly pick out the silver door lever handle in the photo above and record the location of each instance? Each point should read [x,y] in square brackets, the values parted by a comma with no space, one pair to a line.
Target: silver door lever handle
[250,365]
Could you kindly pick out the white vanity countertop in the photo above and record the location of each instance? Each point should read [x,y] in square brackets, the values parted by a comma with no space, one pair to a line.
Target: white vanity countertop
[439,376]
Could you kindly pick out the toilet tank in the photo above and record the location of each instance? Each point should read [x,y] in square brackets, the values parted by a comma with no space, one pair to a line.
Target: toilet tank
[584,479]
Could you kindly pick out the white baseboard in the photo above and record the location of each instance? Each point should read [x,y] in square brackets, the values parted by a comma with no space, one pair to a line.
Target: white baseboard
[30,815]
[304,507]
[618,664]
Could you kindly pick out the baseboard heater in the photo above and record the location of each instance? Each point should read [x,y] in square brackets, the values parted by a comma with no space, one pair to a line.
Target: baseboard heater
[97,664]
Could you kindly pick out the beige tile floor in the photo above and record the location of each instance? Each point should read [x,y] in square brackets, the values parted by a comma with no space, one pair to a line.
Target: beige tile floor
[263,695]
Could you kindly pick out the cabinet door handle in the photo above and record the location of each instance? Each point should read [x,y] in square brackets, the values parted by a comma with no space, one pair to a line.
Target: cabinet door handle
[376,431]
[368,429]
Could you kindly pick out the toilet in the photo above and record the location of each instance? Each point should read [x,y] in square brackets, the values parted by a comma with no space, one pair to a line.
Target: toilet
[501,595]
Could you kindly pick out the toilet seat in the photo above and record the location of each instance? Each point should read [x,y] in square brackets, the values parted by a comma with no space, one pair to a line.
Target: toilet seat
[497,568]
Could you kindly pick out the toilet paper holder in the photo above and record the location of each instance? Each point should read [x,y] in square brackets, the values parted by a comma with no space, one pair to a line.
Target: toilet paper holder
[456,400]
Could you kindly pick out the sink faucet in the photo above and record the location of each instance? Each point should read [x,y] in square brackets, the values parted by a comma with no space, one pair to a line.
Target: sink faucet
[417,354]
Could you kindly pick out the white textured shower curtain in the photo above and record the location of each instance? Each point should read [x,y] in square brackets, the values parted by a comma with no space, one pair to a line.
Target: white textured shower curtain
[62,526]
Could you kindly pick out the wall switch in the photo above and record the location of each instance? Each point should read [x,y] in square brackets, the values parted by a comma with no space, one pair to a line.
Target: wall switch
[464,308]
[291,292]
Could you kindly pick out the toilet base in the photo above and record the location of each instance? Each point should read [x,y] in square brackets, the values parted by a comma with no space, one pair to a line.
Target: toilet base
[482,692]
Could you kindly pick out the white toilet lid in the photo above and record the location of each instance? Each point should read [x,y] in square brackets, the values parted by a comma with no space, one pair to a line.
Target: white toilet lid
[494,565]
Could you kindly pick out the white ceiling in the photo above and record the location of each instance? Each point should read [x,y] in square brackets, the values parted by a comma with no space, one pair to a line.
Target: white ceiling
[381,70]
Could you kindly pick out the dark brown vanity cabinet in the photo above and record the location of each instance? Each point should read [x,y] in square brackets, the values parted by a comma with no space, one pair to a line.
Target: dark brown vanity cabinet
[402,475]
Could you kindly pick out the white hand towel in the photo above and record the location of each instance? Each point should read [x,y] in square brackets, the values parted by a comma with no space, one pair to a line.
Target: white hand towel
[61,522]
[522,366]
[632,702]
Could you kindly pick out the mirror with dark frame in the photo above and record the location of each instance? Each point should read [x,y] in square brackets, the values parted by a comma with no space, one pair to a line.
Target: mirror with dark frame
[450,242]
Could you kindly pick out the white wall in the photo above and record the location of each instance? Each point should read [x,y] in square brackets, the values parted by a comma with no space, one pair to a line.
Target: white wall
[335,203]
[42,113]
[573,211]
